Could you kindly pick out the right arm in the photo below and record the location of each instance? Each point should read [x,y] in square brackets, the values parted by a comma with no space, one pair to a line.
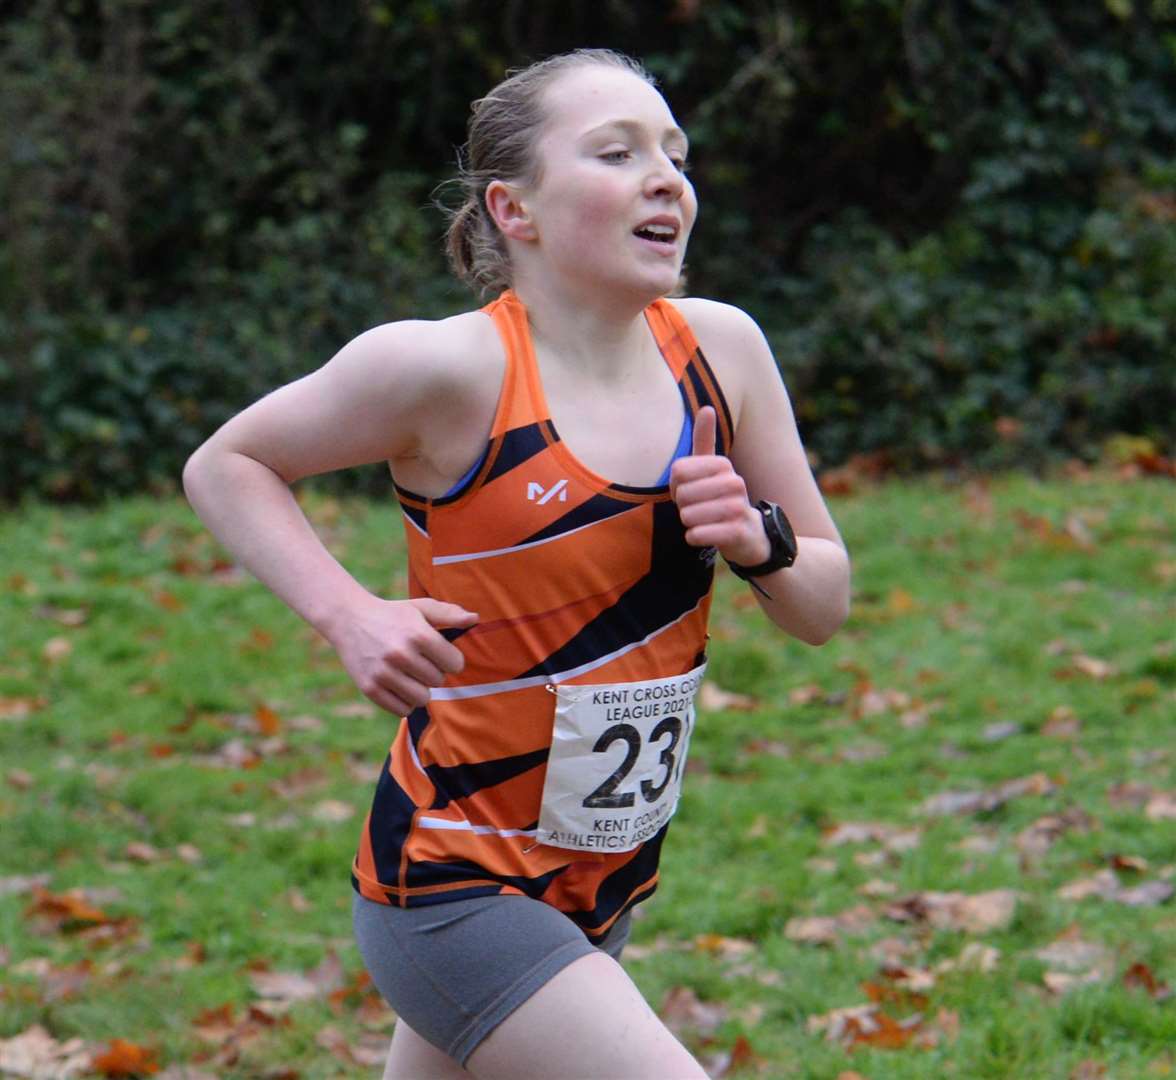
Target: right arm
[374,401]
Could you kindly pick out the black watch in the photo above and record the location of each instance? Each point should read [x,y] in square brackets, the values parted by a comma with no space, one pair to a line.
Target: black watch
[781,538]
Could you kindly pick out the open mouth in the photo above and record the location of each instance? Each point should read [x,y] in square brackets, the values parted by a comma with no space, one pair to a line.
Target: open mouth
[657,232]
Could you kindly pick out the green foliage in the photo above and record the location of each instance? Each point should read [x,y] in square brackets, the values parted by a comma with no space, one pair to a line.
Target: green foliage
[944,215]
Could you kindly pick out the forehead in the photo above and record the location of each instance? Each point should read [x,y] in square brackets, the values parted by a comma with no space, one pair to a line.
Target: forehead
[586,97]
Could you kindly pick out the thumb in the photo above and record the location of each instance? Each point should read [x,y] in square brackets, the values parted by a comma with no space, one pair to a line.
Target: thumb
[439,614]
[704,431]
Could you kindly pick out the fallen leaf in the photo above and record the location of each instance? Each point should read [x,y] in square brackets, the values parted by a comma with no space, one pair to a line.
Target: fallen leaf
[333,811]
[972,802]
[18,708]
[1036,839]
[865,1025]
[977,914]
[35,1054]
[56,649]
[65,911]
[714,698]
[683,1012]
[1092,667]
[1062,723]
[268,721]
[1161,807]
[141,852]
[725,948]
[124,1059]
[1088,1070]
[1140,977]
[826,929]
[22,883]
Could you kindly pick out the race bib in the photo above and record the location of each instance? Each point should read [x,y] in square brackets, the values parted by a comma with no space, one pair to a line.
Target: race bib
[618,753]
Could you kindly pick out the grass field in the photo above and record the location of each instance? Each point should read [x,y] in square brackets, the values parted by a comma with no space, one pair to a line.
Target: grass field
[943,845]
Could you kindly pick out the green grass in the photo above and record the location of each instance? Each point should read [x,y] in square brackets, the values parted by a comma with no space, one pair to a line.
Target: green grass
[142,663]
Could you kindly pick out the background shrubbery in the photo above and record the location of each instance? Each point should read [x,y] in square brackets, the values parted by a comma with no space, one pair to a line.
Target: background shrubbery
[957,223]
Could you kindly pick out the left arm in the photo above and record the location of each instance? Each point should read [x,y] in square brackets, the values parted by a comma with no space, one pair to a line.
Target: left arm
[715,495]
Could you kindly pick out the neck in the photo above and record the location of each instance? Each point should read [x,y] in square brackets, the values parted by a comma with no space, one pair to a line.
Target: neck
[600,334]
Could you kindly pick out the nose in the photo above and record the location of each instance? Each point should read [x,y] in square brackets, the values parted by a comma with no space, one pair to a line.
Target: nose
[665,179]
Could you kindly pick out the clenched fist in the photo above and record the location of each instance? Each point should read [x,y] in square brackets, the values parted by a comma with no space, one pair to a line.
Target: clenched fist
[712,500]
[394,650]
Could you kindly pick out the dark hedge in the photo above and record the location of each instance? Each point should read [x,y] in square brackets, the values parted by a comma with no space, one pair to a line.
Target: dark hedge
[954,221]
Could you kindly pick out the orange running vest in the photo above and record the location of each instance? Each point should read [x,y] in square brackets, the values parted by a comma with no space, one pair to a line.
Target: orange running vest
[575,580]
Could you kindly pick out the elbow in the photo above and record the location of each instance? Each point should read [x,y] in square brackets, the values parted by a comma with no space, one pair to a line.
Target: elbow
[820,630]
[190,477]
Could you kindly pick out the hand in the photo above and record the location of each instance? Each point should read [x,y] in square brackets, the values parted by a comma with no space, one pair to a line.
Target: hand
[394,651]
[712,500]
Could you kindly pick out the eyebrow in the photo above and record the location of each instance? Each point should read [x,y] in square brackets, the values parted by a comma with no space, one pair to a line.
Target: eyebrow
[634,127]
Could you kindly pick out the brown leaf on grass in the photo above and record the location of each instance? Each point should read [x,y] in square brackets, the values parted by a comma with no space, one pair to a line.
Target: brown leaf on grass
[19,708]
[865,1025]
[1088,1070]
[1036,839]
[333,811]
[972,802]
[1092,667]
[22,883]
[125,1059]
[35,1054]
[1130,793]
[1140,977]
[891,837]
[1062,723]
[370,1050]
[827,929]
[138,851]
[714,698]
[19,779]
[56,649]
[268,721]
[1105,885]
[71,617]
[974,956]
[283,986]
[1161,807]
[725,948]
[65,911]
[684,1013]
[978,913]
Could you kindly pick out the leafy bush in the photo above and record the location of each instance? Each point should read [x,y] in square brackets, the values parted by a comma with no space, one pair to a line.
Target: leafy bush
[954,221]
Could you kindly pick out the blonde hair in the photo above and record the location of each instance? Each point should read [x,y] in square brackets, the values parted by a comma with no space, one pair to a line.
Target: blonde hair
[503,129]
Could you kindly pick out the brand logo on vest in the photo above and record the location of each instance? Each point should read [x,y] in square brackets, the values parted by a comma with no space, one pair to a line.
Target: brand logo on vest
[535,492]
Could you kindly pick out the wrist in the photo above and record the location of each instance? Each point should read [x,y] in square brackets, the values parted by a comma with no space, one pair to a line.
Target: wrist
[782,546]
[756,548]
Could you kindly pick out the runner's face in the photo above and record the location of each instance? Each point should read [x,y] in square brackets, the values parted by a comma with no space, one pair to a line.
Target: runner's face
[612,202]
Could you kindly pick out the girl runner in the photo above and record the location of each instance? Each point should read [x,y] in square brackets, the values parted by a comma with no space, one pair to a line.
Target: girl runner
[569,459]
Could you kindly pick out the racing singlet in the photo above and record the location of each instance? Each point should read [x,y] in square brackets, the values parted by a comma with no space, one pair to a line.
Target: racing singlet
[592,611]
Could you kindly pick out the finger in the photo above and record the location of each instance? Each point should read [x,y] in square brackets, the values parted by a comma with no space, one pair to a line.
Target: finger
[417,665]
[448,658]
[705,423]
[403,687]
[440,614]
[711,487]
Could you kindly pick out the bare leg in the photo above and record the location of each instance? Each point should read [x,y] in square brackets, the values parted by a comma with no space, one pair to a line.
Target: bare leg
[413,1058]
[588,1023]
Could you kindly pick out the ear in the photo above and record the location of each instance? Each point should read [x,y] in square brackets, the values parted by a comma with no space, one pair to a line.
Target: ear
[508,211]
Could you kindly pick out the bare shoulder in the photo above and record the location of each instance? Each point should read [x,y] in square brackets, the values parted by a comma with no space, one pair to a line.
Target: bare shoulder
[732,343]
[422,358]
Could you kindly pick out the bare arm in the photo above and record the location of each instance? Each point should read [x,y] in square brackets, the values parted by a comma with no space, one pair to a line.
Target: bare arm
[811,598]
[367,404]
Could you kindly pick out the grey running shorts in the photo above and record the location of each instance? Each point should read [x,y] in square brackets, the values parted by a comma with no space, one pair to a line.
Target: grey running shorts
[454,971]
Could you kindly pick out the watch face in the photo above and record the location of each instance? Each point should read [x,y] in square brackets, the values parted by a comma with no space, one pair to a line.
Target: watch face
[780,533]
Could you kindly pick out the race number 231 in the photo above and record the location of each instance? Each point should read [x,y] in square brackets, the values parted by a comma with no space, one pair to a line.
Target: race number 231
[666,736]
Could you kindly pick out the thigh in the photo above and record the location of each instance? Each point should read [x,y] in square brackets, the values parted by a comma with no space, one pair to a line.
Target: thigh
[453,971]
[589,1022]
[413,1058]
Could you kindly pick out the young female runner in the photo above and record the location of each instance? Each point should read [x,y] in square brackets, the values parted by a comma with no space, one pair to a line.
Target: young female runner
[569,460]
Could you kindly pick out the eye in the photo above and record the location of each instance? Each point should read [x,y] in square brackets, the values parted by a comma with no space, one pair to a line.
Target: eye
[615,157]
[680,163]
